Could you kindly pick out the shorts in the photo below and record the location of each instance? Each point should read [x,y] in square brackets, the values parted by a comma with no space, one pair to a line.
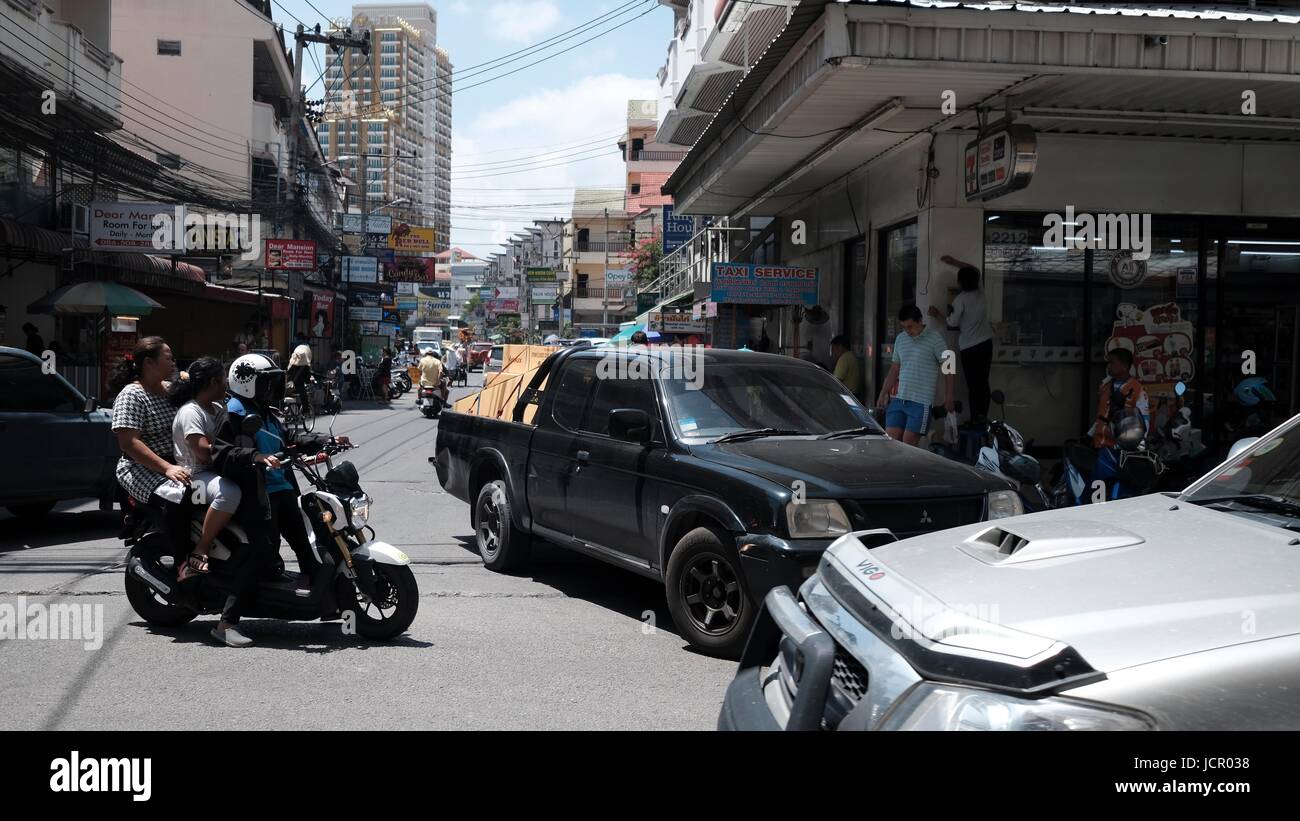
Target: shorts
[908,415]
[218,492]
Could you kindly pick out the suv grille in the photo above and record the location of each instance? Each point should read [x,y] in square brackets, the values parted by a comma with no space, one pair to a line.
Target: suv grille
[848,676]
[912,517]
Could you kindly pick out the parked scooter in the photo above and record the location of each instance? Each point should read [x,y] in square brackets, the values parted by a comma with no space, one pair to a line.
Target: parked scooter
[365,581]
[1003,453]
[330,401]
[1126,470]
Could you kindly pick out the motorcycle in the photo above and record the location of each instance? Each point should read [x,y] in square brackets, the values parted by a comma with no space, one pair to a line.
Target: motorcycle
[429,401]
[1125,470]
[365,582]
[1003,453]
[330,402]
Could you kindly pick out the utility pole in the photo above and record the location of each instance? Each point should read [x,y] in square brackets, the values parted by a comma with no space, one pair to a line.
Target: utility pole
[604,292]
[336,44]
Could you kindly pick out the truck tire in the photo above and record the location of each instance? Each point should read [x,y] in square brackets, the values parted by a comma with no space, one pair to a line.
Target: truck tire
[503,546]
[707,595]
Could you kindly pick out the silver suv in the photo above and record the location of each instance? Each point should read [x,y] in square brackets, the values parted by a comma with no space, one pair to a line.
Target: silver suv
[1168,611]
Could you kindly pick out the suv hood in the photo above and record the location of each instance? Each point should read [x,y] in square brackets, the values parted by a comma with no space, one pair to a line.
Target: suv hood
[1124,583]
[842,468]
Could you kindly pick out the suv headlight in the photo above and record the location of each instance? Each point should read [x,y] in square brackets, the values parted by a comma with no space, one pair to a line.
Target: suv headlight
[359,508]
[947,707]
[816,519]
[1004,503]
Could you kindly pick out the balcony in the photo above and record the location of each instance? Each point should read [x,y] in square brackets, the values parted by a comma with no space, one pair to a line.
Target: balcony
[268,138]
[86,79]
[674,155]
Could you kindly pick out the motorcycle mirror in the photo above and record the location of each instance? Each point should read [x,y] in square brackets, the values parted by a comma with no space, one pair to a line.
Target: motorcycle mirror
[998,397]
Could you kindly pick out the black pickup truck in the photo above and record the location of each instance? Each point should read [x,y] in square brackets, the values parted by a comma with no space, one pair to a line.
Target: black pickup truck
[720,473]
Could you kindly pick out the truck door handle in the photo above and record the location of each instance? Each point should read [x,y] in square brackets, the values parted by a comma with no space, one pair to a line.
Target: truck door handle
[583,457]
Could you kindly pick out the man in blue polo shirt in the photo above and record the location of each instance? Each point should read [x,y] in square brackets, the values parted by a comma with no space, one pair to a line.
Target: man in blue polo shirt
[918,356]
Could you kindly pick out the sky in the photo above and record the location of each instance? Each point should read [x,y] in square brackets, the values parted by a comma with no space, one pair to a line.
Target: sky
[523,141]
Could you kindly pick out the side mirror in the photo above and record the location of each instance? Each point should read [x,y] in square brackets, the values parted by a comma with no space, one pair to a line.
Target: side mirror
[998,397]
[1240,445]
[629,424]
[92,405]
[251,425]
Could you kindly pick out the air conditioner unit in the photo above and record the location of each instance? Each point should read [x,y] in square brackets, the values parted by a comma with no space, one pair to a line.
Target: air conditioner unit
[74,218]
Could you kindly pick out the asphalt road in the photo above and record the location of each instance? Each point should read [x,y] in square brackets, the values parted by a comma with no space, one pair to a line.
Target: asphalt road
[569,644]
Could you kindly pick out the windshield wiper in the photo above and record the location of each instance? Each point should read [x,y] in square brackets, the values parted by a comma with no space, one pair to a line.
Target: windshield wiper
[862,431]
[756,432]
[1263,501]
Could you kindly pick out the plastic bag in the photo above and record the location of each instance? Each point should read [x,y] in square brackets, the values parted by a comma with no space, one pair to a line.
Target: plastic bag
[950,435]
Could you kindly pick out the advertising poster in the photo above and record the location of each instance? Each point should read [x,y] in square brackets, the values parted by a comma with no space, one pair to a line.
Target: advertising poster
[677,230]
[290,255]
[359,269]
[128,226]
[410,239]
[747,284]
[676,323]
[541,274]
[376,224]
[322,316]
[410,269]
[1161,342]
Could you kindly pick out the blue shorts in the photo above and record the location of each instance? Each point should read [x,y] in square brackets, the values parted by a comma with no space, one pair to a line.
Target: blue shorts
[908,415]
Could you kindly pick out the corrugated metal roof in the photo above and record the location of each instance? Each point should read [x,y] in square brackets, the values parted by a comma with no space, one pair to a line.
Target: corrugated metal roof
[1279,13]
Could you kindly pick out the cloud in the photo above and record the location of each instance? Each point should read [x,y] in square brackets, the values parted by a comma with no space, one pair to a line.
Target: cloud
[458,6]
[530,152]
[517,21]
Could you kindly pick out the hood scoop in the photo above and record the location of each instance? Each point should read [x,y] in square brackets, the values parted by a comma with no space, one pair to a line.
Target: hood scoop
[1050,539]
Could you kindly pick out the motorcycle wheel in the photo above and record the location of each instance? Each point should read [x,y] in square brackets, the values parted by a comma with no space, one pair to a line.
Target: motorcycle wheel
[149,606]
[391,613]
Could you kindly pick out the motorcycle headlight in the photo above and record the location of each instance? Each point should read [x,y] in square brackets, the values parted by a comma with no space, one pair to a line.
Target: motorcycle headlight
[816,519]
[1004,503]
[359,507]
[947,707]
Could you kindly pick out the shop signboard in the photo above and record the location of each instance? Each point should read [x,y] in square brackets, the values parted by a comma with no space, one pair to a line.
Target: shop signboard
[540,274]
[290,255]
[749,284]
[410,269]
[502,306]
[388,329]
[386,256]
[371,328]
[1161,343]
[361,314]
[675,323]
[404,288]
[1001,159]
[504,292]
[359,269]
[322,316]
[542,295]
[441,272]
[407,303]
[375,224]
[411,239]
[646,300]
[618,278]
[128,226]
[677,230]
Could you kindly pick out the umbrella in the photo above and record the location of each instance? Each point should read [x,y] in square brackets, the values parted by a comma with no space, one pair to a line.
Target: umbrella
[94,299]
[626,334]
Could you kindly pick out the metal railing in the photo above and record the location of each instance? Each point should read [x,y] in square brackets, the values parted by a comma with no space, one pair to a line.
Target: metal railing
[657,156]
[691,263]
[600,293]
[613,247]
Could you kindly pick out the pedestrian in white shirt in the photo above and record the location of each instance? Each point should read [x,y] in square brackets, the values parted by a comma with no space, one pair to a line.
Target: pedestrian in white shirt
[969,316]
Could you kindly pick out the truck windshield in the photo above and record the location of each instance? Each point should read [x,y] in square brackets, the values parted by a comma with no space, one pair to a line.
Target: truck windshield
[1266,479]
[724,399]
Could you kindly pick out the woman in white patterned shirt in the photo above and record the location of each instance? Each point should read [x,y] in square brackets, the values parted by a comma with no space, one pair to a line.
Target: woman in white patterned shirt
[142,419]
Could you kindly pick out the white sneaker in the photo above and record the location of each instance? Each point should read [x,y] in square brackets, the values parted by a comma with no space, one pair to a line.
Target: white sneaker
[231,637]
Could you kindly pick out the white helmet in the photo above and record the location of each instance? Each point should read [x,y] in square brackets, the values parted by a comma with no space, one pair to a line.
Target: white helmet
[256,376]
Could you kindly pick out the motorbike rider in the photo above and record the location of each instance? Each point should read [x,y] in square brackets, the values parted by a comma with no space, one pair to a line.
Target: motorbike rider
[257,387]
[431,372]
[451,363]
[1120,395]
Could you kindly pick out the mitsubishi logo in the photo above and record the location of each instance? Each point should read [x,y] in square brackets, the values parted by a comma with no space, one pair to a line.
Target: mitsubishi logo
[925,517]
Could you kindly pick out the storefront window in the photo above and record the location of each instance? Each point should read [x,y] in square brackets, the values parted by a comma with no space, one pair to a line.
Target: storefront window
[898,281]
[1149,308]
[1035,298]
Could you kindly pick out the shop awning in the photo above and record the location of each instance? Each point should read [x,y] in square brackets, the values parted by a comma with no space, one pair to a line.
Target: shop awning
[846,85]
[20,240]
